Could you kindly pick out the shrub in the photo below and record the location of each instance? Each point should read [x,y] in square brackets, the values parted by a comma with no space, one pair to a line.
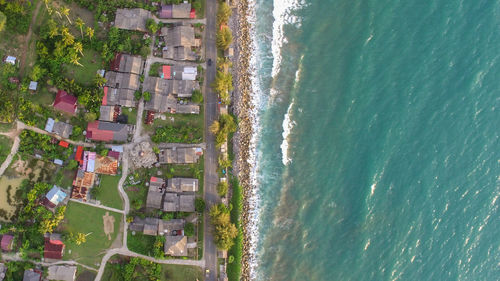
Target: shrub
[222,188]
[224,38]
[189,229]
[197,96]
[199,204]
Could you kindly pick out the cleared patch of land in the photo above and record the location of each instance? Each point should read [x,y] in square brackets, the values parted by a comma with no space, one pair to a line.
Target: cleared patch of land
[108,192]
[91,61]
[86,219]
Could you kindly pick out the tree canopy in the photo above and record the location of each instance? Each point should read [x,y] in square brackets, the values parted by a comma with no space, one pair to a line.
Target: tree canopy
[224,38]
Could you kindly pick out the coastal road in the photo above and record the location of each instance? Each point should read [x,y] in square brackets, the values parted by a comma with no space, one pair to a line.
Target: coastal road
[211,177]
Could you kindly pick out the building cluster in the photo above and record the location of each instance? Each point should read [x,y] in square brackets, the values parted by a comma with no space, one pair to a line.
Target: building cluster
[90,164]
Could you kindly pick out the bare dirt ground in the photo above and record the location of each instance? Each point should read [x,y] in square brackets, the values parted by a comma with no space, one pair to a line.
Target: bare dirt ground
[109,224]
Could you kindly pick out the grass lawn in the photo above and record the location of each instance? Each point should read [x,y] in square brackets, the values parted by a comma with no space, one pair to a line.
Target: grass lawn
[131,114]
[5,127]
[5,145]
[154,69]
[169,272]
[180,120]
[138,192]
[89,220]
[85,74]
[108,192]
[140,243]
[42,96]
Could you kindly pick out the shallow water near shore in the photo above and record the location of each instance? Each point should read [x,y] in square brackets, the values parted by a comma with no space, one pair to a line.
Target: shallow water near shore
[377,146]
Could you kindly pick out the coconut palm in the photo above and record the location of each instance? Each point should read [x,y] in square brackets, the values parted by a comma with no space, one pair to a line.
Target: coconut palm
[46,4]
[53,29]
[73,58]
[78,47]
[65,11]
[215,127]
[224,38]
[224,64]
[90,32]
[79,22]
[99,81]
[68,38]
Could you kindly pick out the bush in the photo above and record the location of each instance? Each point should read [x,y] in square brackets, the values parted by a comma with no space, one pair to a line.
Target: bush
[223,13]
[197,96]
[222,188]
[224,38]
[189,229]
[199,204]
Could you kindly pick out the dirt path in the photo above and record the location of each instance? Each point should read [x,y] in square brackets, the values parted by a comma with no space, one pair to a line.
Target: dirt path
[26,44]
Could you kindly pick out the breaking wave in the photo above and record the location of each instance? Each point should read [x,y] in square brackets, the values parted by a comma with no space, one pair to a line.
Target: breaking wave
[288,125]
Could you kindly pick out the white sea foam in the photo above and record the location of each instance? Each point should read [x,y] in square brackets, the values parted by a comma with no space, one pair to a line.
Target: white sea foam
[288,125]
[283,14]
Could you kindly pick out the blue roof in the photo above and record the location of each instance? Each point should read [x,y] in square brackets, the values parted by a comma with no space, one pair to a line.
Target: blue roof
[56,195]
[50,125]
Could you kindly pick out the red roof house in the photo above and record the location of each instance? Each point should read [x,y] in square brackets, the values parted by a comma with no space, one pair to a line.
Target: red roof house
[65,102]
[105,97]
[7,242]
[54,248]
[107,131]
[166,72]
[192,14]
[79,154]
[64,144]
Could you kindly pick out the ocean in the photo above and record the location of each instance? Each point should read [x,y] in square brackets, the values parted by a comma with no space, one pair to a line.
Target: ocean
[377,153]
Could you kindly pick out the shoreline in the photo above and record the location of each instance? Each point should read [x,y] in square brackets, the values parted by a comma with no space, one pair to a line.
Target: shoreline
[243,109]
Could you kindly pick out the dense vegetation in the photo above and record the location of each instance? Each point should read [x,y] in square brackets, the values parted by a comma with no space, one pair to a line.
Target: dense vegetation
[171,134]
[16,15]
[225,231]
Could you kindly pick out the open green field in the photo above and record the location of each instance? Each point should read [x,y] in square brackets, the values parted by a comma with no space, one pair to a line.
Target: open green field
[137,193]
[108,192]
[140,243]
[5,145]
[131,114]
[180,120]
[88,220]
[42,97]
[85,74]
[169,272]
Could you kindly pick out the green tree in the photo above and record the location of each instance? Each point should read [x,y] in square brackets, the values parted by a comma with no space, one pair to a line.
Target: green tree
[72,165]
[197,96]
[89,31]
[224,38]
[99,81]
[189,229]
[223,84]
[223,13]
[215,127]
[90,116]
[37,72]
[79,22]
[199,204]
[3,20]
[222,188]
[147,96]
[137,95]
[152,26]
[225,231]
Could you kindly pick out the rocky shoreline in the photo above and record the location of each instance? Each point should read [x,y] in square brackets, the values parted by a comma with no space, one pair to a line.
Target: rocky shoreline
[243,108]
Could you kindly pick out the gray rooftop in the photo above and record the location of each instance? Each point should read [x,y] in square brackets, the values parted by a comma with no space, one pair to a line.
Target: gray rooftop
[62,129]
[132,19]
[182,185]
[61,272]
[121,80]
[176,246]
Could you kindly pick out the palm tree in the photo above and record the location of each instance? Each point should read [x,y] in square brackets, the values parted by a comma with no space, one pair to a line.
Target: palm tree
[46,4]
[73,58]
[90,32]
[68,38]
[79,22]
[99,81]
[53,29]
[65,11]
[78,47]
[224,64]
[224,38]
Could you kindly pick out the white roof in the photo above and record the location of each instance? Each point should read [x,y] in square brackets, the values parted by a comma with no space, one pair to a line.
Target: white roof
[117,148]
[10,59]
[50,125]
[190,69]
[33,85]
[188,76]
[101,72]
[58,162]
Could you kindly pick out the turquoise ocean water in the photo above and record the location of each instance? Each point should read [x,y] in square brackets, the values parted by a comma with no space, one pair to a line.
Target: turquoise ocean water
[377,154]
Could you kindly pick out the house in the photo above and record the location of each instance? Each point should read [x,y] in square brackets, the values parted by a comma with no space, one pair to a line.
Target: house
[173,202]
[107,131]
[62,129]
[179,40]
[106,165]
[33,86]
[114,154]
[54,197]
[164,93]
[49,126]
[63,144]
[175,246]
[109,113]
[176,11]
[62,273]
[155,193]
[32,275]
[165,72]
[54,247]
[7,242]
[82,184]
[132,19]
[179,72]
[79,154]
[122,97]
[180,155]
[127,63]
[154,226]
[182,185]
[65,102]
[3,270]
[11,60]
[121,80]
